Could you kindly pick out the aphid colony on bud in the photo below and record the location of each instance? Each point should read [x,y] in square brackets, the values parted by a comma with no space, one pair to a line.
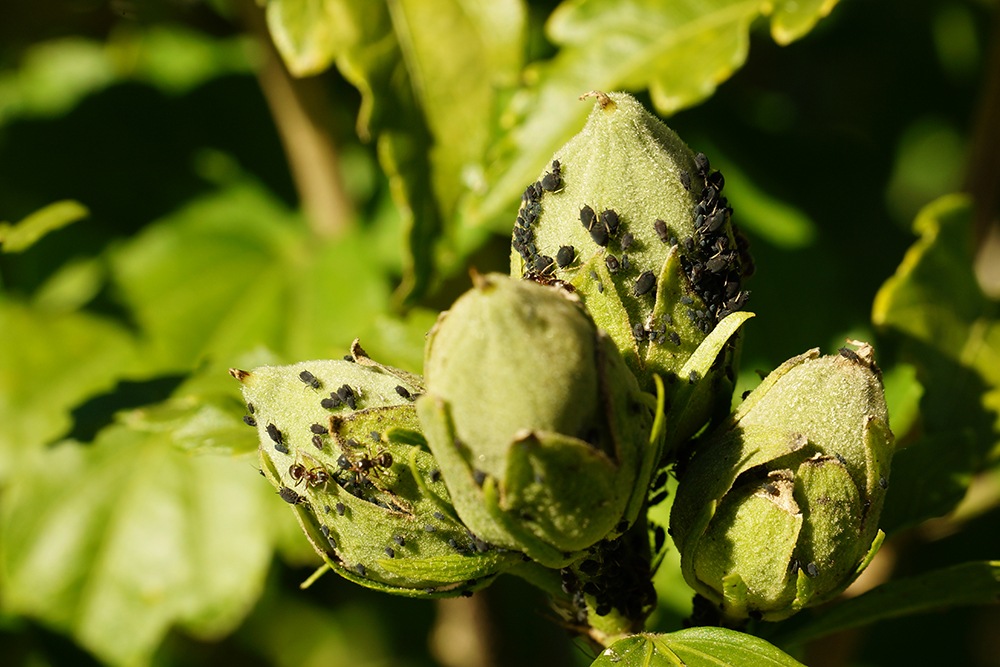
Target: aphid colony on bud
[367,494]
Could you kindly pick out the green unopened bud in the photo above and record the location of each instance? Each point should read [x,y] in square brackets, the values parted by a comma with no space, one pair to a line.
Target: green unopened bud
[544,439]
[779,508]
[637,223]
[340,442]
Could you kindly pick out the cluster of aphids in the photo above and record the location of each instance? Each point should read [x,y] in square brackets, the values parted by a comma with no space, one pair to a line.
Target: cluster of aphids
[603,228]
[715,263]
[531,208]
[615,576]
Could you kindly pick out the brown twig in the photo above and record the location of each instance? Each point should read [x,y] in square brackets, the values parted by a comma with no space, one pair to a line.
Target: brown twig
[301,111]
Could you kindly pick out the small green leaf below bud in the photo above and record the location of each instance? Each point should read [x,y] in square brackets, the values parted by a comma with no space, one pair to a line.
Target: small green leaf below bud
[779,507]
[341,443]
[641,230]
[544,439]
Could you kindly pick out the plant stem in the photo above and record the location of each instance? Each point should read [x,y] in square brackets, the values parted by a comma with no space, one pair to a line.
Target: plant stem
[300,108]
[983,167]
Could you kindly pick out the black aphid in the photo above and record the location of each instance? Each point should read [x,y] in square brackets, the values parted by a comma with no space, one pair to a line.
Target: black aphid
[716,180]
[661,230]
[309,379]
[639,332]
[612,263]
[686,300]
[686,179]
[318,429]
[717,264]
[627,241]
[599,234]
[439,516]
[435,475]
[333,401]
[317,442]
[644,283]
[349,358]
[478,476]
[341,509]
[587,217]
[626,263]
[849,354]
[390,552]
[399,539]
[281,447]
[883,482]
[430,528]
[812,570]
[551,182]
[674,338]
[275,434]
[610,219]
[693,377]
[701,164]
[658,498]
[290,496]
[250,408]
[565,256]
[453,543]
[360,569]
[544,264]
[403,392]
[348,397]
[249,421]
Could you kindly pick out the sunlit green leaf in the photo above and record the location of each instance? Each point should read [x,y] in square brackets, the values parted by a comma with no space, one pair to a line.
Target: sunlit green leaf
[678,51]
[236,270]
[50,362]
[950,331]
[694,647]
[24,234]
[429,74]
[120,540]
[959,585]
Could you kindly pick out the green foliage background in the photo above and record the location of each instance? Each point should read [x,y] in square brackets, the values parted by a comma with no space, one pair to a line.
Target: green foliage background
[179,204]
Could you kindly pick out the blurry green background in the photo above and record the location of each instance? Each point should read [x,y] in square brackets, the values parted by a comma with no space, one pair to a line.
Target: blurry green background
[233,216]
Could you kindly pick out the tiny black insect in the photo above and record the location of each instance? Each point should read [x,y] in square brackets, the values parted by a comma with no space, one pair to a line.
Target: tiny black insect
[317,442]
[348,397]
[701,164]
[332,402]
[610,219]
[644,283]
[274,434]
[565,256]
[661,230]
[544,264]
[479,477]
[399,539]
[390,552]
[403,392]
[360,569]
[290,496]
[429,528]
[341,509]
[686,179]
[599,234]
[693,377]
[587,216]
[659,538]
[627,241]
[612,263]
[318,429]
[551,182]
[249,421]
[309,379]
[883,482]
[250,408]
[435,475]
[812,570]
[674,338]
[658,498]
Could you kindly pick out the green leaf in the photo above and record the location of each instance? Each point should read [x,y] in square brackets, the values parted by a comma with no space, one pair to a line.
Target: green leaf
[24,234]
[693,647]
[950,332]
[49,363]
[971,583]
[429,75]
[679,51]
[116,542]
[235,270]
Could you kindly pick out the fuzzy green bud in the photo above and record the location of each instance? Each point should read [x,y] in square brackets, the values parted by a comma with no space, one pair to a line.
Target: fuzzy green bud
[779,507]
[544,439]
[341,443]
[637,223]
